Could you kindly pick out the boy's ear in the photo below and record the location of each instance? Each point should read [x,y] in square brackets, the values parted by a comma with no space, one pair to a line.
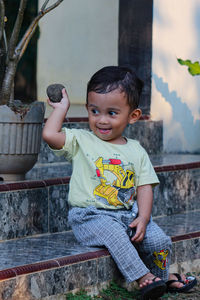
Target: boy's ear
[134,116]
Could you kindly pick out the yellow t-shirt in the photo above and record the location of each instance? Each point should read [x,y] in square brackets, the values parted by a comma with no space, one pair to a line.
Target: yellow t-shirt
[105,175]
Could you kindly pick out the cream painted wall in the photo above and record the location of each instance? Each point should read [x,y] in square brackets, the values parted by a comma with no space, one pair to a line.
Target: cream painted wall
[175,93]
[77,38]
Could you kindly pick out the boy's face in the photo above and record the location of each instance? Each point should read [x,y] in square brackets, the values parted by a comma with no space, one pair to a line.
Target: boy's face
[109,114]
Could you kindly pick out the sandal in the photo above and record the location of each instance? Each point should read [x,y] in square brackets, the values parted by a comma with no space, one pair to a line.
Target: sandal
[153,290]
[189,283]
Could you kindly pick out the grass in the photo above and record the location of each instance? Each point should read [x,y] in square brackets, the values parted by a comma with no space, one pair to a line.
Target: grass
[115,292]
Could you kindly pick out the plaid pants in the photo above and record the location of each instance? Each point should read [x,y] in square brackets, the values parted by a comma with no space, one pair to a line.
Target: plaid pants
[109,228]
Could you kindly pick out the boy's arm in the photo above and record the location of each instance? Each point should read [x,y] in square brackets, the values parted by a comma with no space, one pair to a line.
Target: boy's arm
[145,202]
[52,133]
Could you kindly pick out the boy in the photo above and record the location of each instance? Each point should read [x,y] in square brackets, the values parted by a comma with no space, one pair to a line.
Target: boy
[111,185]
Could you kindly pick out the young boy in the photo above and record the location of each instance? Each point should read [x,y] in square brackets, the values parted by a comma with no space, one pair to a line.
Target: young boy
[110,194]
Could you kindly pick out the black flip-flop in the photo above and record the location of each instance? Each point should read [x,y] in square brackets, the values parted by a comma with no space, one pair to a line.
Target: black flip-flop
[189,283]
[153,290]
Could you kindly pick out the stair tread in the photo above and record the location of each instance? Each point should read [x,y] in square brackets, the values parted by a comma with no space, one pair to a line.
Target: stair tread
[45,247]
[180,224]
[161,162]
[156,159]
[174,159]
[30,250]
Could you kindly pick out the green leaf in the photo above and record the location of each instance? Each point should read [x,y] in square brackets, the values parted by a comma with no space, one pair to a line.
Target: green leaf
[193,68]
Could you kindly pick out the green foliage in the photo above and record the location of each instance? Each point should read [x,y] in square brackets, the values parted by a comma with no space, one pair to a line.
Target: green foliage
[113,292]
[78,296]
[193,68]
[116,292]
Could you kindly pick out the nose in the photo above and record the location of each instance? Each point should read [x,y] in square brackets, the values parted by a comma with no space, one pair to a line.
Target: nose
[103,119]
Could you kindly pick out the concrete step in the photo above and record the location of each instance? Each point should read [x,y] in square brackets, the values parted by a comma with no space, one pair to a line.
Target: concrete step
[48,266]
[40,206]
[149,133]
[49,170]
[39,256]
[49,165]
[60,168]
[179,188]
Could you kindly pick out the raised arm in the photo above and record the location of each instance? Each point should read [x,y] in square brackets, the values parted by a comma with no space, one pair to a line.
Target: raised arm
[52,133]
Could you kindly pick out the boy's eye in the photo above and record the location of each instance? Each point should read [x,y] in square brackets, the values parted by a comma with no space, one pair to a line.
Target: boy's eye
[112,113]
[95,111]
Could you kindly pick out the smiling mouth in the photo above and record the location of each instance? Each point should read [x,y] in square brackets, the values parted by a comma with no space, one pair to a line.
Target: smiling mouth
[104,130]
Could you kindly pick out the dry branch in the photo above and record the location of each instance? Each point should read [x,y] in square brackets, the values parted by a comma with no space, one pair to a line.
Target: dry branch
[16,29]
[15,51]
[21,47]
[2,14]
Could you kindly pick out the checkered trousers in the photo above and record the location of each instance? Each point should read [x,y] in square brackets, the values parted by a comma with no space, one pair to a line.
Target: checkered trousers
[109,228]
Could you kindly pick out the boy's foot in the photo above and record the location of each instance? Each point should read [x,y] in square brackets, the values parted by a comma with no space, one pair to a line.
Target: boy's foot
[151,287]
[180,283]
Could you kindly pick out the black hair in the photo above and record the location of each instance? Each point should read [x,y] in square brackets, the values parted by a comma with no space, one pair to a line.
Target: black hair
[111,78]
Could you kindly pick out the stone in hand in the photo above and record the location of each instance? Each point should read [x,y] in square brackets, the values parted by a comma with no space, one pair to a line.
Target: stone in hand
[54,92]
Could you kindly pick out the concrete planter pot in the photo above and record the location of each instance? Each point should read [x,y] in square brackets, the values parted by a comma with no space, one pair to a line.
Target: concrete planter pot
[20,139]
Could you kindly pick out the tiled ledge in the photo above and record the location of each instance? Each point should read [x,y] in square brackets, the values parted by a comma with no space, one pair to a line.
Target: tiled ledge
[187,236]
[85,119]
[40,207]
[63,245]
[148,132]
[51,264]
[184,247]
[31,184]
[177,167]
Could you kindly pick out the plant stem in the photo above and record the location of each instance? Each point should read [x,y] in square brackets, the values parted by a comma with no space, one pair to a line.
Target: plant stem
[21,47]
[8,83]
[2,14]
[15,52]
[16,29]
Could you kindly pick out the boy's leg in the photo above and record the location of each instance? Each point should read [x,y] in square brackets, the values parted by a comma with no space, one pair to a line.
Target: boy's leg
[93,227]
[155,250]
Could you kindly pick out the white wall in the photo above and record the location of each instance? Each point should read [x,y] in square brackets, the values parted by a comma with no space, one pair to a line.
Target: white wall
[77,38]
[175,93]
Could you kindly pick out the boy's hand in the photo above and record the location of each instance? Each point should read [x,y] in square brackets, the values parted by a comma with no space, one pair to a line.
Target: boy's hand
[64,104]
[140,223]
[52,133]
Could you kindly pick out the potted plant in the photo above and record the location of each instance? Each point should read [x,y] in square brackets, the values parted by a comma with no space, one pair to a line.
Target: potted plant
[20,123]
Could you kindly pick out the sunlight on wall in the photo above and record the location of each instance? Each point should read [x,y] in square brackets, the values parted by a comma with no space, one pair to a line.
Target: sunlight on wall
[176,33]
[84,40]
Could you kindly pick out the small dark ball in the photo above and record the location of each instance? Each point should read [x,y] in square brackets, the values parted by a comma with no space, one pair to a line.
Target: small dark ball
[54,92]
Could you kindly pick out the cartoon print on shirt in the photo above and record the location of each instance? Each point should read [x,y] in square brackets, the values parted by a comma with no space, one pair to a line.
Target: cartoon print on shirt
[121,190]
